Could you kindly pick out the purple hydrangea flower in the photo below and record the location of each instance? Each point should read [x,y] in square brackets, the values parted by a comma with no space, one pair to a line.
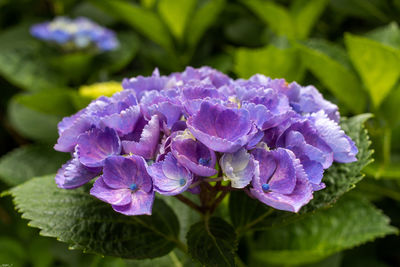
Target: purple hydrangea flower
[270,138]
[170,177]
[76,34]
[126,185]
[220,128]
[280,181]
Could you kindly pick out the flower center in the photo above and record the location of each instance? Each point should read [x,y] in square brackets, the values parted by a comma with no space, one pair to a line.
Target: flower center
[182,182]
[133,186]
[203,161]
[265,187]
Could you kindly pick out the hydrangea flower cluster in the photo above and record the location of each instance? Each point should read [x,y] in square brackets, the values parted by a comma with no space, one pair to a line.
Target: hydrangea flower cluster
[76,34]
[170,134]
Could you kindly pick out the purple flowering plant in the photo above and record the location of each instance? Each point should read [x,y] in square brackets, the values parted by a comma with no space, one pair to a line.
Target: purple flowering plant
[202,132]
[76,34]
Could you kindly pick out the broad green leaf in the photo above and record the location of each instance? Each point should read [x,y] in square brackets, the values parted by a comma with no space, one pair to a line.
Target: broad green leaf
[332,67]
[369,9]
[143,20]
[274,15]
[148,3]
[29,161]
[390,107]
[378,170]
[305,14]
[388,35]
[86,9]
[12,252]
[176,14]
[350,222]
[249,214]
[212,242]
[84,222]
[202,19]
[36,116]
[175,258]
[33,124]
[377,64]
[23,61]
[271,61]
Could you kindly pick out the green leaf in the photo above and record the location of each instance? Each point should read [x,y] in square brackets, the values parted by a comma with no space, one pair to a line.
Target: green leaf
[114,61]
[176,14]
[295,23]
[379,170]
[305,14]
[390,107]
[22,61]
[12,252]
[84,222]
[368,9]
[287,63]
[213,242]
[351,222]
[29,161]
[377,64]
[388,35]
[250,214]
[148,3]
[36,116]
[276,16]
[202,19]
[143,20]
[332,67]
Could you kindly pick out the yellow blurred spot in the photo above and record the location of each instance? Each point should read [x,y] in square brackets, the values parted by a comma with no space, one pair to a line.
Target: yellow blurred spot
[100,89]
[235,100]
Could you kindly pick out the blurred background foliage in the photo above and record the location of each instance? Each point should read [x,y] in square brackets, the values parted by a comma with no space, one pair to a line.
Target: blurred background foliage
[349,49]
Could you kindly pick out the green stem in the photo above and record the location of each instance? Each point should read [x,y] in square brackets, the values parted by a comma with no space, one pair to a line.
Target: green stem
[245,228]
[190,203]
[182,246]
[175,259]
[387,140]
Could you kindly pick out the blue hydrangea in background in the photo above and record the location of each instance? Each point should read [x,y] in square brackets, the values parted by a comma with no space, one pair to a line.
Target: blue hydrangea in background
[76,34]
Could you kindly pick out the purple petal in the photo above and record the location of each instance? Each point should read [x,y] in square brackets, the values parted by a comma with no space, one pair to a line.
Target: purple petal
[344,149]
[303,139]
[141,204]
[149,138]
[123,122]
[169,177]
[73,174]
[194,155]
[221,129]
[276,169]
[96,145]
[112,196]
[121,172]
[238,167]
[298,197]
[70,129]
